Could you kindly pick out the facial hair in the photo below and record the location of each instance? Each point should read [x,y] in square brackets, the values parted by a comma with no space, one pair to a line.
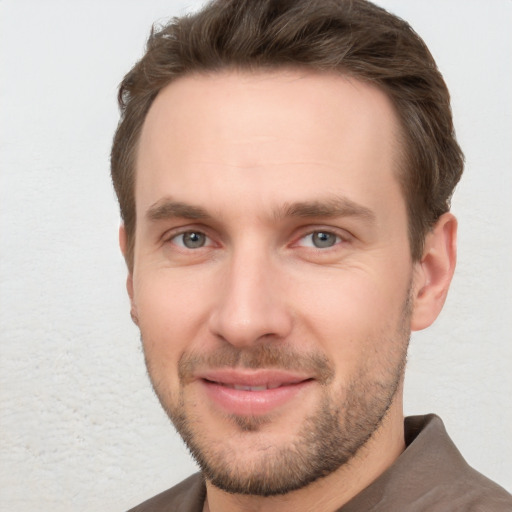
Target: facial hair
[343,421]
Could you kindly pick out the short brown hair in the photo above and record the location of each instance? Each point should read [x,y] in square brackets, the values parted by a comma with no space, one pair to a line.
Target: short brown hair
[352,37]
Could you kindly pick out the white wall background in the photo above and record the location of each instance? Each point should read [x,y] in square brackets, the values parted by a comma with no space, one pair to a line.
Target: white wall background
[80,429]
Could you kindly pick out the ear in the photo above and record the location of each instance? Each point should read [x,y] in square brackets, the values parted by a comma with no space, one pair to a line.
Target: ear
[129,280]
[433,274]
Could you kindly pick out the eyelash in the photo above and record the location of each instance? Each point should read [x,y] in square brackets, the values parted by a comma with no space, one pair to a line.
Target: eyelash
[176,235]
[319,234]
[208,241]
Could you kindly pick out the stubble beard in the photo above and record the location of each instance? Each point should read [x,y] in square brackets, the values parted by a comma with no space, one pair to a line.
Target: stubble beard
[327,439]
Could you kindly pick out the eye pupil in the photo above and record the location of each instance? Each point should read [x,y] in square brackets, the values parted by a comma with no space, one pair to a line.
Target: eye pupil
[193,240]
[323,239]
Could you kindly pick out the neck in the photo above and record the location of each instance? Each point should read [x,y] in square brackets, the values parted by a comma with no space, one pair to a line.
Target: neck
[333,491]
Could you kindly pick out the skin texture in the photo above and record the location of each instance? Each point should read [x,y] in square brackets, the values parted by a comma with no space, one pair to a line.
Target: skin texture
[271,248]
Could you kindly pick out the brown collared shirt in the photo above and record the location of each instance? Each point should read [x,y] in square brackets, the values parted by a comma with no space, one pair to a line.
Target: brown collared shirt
[429,476]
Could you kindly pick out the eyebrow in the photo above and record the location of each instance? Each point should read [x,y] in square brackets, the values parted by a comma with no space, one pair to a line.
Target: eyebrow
[337,206]
[168,209]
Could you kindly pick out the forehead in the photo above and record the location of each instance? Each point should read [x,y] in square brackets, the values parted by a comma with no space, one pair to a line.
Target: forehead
[277,131]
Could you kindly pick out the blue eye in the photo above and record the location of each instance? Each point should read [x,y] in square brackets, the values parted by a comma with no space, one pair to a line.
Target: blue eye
[191,239]
[321,239]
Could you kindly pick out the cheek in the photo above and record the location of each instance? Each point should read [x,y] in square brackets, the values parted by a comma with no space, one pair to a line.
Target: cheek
[353,315]
[171,316]
[168,298]
[351,298]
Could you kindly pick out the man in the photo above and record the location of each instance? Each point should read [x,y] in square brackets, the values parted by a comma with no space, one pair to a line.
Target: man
[284,171]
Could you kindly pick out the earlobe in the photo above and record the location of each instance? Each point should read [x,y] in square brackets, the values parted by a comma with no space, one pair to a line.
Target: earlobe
[433,274]
[133,307]
[129,279]
[122,239]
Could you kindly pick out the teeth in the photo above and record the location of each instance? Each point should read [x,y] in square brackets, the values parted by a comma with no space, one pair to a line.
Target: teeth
[240,387]
[249,388]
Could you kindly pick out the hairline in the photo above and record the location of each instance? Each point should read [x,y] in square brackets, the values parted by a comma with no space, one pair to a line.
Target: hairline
[401,144]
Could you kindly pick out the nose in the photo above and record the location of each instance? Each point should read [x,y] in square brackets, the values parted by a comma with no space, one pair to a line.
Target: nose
[251,304]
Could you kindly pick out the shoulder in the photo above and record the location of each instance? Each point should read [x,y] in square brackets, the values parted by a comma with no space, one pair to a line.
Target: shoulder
[187,496]
[430,476]
[451,484]
[480,494]
[469,491]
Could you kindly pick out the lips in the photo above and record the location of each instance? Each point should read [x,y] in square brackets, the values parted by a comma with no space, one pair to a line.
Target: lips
[252,392]
[240,387]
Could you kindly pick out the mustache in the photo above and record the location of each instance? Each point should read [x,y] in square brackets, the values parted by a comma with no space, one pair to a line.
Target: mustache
[264,356]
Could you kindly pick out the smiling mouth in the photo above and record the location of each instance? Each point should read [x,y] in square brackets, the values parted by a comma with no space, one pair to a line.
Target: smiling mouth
[262,387]
[250,392]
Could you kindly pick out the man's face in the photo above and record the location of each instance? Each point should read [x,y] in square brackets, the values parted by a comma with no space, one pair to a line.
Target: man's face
[272,271]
